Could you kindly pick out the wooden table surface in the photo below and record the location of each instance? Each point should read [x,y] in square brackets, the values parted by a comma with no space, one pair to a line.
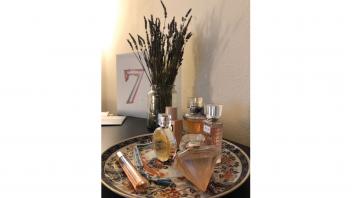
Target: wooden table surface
[111,135]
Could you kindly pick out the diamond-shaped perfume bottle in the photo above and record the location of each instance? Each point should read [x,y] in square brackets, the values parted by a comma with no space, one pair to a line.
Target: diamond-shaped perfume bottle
[197,164]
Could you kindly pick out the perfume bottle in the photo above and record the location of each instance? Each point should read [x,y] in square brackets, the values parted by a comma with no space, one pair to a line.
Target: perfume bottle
[164,142]
[197,163]
[213,128]
[176,124]
[193,120]
[139,183]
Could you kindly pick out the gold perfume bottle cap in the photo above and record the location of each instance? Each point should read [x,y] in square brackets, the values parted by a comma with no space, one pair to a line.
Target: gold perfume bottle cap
[195,105]
[164,120]
[195,102]
[213,111]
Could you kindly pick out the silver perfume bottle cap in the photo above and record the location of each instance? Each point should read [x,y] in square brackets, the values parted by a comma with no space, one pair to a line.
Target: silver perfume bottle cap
[213,111]
[164,120]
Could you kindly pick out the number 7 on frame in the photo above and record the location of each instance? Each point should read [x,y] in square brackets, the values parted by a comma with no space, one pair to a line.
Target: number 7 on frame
[133,72]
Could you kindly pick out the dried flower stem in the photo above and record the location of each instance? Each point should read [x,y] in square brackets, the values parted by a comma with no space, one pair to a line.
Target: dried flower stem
[162,52]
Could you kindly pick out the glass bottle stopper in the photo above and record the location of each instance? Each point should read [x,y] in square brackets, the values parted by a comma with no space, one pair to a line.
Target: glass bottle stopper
[164,120]
[195,104]
[213,111]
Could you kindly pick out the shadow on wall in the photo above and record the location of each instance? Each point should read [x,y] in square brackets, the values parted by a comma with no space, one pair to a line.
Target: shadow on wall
[221,52]
[210,42]
[238,128]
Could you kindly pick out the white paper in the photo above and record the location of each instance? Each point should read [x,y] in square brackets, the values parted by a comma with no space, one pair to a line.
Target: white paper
[132,87]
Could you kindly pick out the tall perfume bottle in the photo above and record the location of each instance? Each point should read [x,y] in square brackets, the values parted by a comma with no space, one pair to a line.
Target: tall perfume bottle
[213,128]
[164,142]
[193,120]
[176,124]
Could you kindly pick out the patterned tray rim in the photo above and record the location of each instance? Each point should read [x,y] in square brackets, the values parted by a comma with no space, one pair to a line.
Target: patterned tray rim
[150,134]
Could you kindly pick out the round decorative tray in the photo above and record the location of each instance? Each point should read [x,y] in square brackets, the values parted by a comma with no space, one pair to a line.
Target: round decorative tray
[228,175]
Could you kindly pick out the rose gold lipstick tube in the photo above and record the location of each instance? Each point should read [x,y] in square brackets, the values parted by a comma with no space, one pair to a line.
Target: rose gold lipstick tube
[139,183]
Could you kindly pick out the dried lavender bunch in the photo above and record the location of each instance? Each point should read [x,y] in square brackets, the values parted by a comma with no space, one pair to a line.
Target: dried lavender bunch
[162,49]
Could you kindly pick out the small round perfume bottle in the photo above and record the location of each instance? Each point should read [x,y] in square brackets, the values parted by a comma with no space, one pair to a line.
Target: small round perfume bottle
[164,141]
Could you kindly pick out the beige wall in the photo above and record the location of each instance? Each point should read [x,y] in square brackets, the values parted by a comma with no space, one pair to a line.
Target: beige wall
[216,62]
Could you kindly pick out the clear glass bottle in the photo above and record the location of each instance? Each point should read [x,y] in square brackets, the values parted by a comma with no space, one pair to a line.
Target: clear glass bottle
[197,163]
[164,142]
[193,120]
[213,128]
[158,98]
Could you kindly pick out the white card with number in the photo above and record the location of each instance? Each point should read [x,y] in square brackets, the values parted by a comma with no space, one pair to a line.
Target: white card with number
[132,86]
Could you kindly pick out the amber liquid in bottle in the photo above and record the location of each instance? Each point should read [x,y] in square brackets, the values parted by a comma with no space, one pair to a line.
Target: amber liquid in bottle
[193,125]
[193,120]
[164,144]
[164,141]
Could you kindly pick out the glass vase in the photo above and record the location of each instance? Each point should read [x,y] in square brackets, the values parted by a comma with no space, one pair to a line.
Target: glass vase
[159,97]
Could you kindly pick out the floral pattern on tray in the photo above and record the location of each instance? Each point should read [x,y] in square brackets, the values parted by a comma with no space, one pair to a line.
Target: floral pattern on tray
[228,175]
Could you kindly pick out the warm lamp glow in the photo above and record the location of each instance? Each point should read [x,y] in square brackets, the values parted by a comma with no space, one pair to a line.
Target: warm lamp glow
[110,15]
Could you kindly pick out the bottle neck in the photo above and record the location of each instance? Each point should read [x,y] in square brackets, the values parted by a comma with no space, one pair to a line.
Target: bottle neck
[212,119]
[195,110]
[164,127]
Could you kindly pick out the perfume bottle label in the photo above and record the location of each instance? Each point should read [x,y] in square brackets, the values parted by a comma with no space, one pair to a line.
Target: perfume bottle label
[206,129]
